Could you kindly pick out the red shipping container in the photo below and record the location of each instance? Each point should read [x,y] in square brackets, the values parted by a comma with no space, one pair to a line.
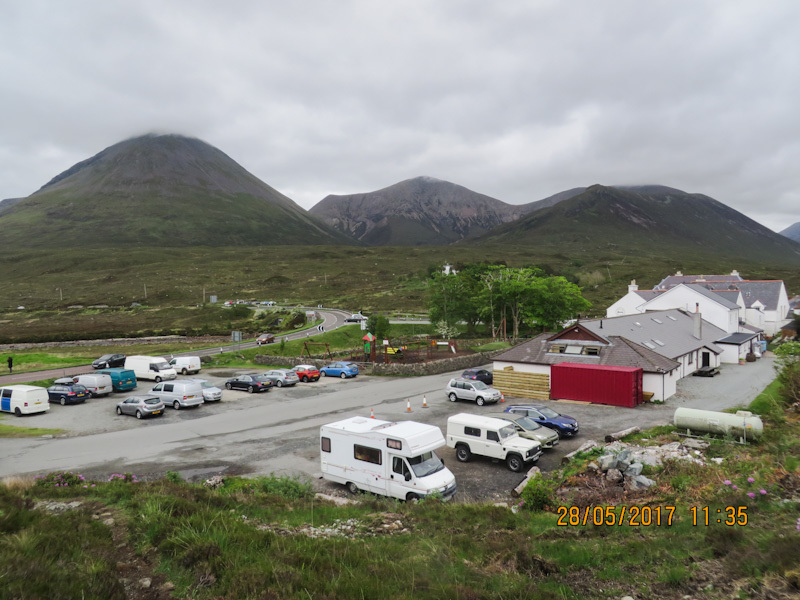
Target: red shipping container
[599,384]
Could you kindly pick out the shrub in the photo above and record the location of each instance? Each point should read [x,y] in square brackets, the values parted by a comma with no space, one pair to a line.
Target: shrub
[538,494]
[60,479]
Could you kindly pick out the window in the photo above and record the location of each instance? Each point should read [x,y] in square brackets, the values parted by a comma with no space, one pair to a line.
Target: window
[399,466]
[573,350]
[395,444]
[557,349]
[592,351]
[472,431]
[492,436]
[6,393]
[691,358]
[367,454]
[325,444]
[168,387]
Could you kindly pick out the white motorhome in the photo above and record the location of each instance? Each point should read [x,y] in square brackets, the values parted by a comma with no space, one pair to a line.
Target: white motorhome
[24,399]
[487,436]
[150,367]
[396,459]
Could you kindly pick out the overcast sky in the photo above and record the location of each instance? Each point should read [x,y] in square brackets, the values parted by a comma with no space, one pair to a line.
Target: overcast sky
[516,100]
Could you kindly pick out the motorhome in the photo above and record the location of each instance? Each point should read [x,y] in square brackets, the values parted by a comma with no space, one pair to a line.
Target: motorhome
[396,459]
[150,367]
[24,399]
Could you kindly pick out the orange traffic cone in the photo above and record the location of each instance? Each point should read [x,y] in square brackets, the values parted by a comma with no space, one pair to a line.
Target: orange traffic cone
[408,404]
[371,413]
[424,401]
[502,398]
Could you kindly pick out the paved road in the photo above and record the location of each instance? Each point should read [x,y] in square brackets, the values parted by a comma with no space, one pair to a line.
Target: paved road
[332,319]
[277,432]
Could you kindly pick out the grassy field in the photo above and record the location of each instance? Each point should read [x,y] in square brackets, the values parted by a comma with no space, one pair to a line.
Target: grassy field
[271,538]
[386,279]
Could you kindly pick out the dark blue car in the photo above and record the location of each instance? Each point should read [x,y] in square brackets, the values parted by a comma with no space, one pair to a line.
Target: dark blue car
[564,425]
[65,391]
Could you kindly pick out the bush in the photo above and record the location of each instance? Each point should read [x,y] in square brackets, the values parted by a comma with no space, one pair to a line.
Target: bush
[538,494]
[60,479]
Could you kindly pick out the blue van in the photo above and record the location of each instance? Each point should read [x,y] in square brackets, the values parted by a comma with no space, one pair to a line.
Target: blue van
[122,380]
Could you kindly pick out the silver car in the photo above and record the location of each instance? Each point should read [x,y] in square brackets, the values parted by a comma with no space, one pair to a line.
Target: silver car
[211,393]
[473,390]
[282,377]
[529,428]
[141,406]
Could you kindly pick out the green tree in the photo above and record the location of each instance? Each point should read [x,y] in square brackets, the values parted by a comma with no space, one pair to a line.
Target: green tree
[379,326]
[555,300]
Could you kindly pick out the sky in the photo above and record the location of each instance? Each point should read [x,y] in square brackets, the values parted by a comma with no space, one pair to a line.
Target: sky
[517,100]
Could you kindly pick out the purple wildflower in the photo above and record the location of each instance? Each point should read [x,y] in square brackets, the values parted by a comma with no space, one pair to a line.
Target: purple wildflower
[733,487]
[750,480]
[726,482]
[763,492]
[751,494]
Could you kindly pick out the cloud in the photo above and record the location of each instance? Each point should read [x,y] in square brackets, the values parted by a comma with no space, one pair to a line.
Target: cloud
[516,100]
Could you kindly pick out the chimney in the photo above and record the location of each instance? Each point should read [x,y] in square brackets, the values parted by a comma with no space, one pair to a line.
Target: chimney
[735,273]
[632,287]
[601,323]
[698,323]
[678,274]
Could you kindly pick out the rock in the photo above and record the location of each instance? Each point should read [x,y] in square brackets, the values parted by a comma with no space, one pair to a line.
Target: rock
[639,482]
[695,444]
[168,586]
[607,461]
[624,455]
[627,598]
[145,583]
[623,465]
[672,446]
[614,475]
[338,500]
[593,466]
[719,460]
[214,482]
[49,436]
[108,522]
[634,470]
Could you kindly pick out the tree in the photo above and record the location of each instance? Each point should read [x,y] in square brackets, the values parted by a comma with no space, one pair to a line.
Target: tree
[555,300]
[379,326]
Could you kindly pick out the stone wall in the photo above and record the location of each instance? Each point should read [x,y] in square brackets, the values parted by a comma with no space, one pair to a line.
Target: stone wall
[393,369]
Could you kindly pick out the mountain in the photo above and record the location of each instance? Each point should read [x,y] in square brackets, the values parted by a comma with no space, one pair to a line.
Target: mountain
[8,203]
[415,212]
[551,200]
[792,232]
[645,221]
[159,191]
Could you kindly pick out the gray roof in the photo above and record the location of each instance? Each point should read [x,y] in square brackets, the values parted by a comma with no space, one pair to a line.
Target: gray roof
[673,280]
[729,295]
[668,332]
[618,352]
[750,327]
[711,295]
[648,295]
[737,338]
[768,292]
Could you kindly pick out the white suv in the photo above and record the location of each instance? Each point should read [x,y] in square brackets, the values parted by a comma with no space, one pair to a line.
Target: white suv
[495,438]
[473,390]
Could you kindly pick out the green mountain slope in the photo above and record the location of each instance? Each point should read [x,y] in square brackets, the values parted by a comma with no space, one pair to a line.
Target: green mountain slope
[159,191]
[646,221]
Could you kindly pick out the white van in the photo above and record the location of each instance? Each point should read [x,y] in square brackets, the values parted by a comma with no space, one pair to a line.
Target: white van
[150,367]
[391,459]
[24,399]
[179,394]
[186,364]
[98,384]
[496,438]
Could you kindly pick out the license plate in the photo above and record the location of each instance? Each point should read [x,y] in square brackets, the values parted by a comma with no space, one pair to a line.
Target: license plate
[156,412]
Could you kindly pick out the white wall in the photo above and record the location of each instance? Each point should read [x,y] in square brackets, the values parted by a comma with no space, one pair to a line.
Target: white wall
[522,367]
[687,299]
[629,304]
[663,386]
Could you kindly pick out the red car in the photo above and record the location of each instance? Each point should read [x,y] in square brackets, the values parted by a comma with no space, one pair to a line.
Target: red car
[265,338]
[306,373]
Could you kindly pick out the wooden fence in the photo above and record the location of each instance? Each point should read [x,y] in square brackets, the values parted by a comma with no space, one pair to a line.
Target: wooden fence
[522,385]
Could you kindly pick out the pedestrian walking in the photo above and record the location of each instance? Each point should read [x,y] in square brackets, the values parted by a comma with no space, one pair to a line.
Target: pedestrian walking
[10,364]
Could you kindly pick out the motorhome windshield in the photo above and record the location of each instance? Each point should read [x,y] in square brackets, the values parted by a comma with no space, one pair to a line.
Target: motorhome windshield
[162,366]
[425,464]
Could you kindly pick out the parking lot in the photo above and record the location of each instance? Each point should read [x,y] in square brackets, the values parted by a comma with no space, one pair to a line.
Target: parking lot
[277,431]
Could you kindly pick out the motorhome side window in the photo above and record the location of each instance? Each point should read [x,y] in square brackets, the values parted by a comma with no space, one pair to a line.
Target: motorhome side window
[325,444]
[492,435]
[472,431]
[399,465]
[6,393]
[370,455]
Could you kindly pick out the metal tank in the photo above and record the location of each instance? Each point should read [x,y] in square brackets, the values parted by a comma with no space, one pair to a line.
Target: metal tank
[743,425]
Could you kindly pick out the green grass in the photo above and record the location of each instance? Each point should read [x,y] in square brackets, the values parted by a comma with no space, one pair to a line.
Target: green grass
[491,346]
[13,431]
